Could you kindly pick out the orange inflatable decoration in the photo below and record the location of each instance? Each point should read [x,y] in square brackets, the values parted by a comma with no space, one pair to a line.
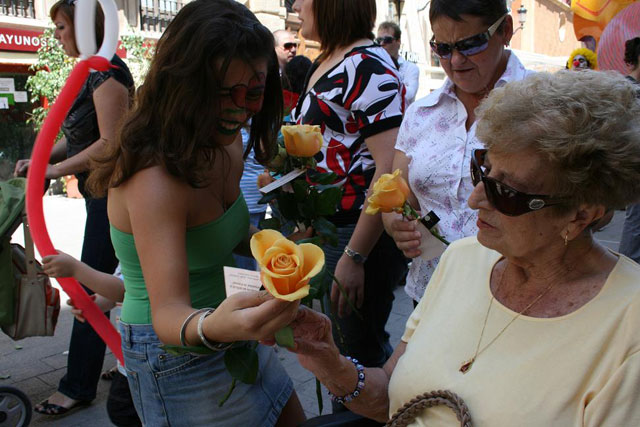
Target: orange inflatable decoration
[590,17]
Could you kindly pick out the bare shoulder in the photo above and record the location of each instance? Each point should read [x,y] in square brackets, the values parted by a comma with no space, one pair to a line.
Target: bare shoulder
[110,87]
[148,194]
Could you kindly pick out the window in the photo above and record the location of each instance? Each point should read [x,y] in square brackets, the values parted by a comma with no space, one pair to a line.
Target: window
[155,15]
[19,8]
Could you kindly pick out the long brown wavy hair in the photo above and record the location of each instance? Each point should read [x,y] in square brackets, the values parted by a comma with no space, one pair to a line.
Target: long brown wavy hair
[175,111]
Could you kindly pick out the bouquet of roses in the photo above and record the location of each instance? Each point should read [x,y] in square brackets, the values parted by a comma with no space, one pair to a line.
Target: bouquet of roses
[390,194]
[303,196]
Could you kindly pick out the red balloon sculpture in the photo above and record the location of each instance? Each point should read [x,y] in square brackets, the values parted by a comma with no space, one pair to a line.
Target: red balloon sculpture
[35,183]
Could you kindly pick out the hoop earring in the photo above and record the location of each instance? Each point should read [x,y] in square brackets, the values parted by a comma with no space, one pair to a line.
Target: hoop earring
[566,238]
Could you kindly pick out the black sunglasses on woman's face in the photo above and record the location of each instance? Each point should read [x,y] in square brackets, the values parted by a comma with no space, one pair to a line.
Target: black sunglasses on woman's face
[507,200]
[469,46]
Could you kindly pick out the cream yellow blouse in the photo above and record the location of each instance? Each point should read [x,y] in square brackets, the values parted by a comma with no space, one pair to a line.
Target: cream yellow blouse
[582,369]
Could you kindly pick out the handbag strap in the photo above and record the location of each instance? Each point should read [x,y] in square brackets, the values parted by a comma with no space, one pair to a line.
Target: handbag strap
[410,411]
[30,259]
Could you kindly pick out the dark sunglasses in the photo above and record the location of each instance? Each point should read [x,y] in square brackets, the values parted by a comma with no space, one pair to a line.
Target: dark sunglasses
[505,199]
[467,47]
[290,45]
[243,96]
[385,40]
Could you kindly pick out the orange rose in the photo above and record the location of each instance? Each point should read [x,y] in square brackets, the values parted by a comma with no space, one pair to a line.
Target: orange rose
[302,140]
[286,268]
[390,193]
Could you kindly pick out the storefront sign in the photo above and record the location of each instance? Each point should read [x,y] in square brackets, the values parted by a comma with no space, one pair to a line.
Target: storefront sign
[29,41]
[19,40]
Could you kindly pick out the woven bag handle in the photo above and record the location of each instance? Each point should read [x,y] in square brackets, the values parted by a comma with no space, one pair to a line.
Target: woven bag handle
[410,411]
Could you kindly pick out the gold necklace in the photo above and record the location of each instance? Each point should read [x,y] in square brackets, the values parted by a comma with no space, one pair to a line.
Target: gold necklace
[466,366]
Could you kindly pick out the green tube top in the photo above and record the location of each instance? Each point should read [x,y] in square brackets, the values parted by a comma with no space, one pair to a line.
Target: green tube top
[209,248]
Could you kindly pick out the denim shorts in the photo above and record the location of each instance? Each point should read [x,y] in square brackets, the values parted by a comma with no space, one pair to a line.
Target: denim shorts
[184,390]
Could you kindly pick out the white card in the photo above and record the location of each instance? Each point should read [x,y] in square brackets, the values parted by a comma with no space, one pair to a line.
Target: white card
[7,85]
[20,96]
[4,103]
[240,280]
[282,181]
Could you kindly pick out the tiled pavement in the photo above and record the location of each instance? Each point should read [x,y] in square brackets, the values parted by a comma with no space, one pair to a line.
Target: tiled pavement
[35,365]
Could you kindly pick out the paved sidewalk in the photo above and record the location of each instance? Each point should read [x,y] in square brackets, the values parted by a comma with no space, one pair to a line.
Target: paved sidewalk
[35,365]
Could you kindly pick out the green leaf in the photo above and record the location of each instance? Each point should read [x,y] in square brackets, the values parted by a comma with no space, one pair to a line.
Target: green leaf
[307,209]
[316,240]
[320,283]
[323,178]
[328,201]
[326,229]
[319,396]
[268,197]
[270,224]
[300,189]
[288,206]
[228,393]
[242,363]
[284,337]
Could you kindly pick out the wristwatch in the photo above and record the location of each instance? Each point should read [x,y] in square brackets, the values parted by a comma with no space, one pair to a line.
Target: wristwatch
[355,256]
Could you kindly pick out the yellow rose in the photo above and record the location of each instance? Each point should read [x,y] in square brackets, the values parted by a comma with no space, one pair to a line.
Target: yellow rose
[389,193]
[286,268]
[302,140]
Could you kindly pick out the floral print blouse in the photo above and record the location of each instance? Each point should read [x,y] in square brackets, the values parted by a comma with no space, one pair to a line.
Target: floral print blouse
[434,137]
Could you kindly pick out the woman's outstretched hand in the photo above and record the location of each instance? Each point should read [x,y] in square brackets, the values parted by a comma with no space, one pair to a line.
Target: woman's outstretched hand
[251,316]
[316,350]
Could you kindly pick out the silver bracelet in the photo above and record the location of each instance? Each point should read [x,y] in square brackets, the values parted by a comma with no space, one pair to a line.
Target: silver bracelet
[219,346]
[183,328]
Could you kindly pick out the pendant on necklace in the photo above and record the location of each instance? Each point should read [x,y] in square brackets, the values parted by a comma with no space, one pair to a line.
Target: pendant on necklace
[466,366]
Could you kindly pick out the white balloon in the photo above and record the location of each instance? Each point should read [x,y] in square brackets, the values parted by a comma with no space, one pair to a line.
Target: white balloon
[84,22]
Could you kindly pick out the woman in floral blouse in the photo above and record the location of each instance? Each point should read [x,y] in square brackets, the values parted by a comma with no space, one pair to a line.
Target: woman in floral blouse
[437,134]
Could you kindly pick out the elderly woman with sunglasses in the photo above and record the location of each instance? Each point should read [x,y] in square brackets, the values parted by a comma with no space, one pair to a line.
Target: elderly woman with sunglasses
[437,134]
[532,322]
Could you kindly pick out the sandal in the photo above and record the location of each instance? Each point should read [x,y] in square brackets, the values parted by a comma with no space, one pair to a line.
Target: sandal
[108,375]
[52,409]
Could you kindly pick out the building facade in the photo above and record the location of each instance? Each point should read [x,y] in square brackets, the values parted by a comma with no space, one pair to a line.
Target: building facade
[543,42]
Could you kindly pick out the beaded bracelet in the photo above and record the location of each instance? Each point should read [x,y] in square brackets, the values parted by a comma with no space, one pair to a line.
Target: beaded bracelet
[183,328]
[355,393]
[219,346]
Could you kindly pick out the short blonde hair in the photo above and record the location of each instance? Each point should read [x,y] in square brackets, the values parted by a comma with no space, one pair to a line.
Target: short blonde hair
[586,125]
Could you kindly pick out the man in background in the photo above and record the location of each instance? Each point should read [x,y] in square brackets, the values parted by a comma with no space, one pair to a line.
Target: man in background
[389,38]
[286,47]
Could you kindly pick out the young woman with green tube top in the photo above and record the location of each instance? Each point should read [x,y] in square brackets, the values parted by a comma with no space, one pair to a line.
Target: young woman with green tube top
[177,214]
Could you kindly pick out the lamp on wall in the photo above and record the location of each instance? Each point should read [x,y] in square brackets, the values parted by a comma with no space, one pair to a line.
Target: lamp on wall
[522,18]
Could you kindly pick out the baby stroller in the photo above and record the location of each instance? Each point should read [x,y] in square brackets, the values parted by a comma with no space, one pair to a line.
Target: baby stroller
[29,305]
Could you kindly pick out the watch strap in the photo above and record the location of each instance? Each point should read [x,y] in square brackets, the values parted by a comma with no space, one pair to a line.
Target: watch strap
[355,256]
